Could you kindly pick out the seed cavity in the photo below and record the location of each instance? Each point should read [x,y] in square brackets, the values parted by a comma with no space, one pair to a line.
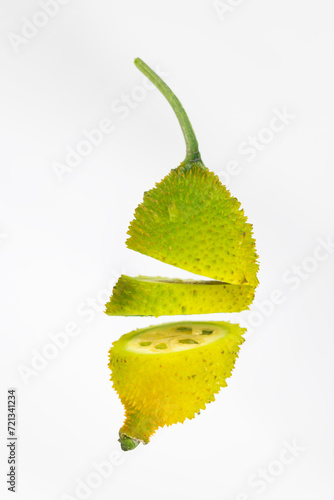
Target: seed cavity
[144,344]
[187,341]
[184,329]
[206,332]
[161,346]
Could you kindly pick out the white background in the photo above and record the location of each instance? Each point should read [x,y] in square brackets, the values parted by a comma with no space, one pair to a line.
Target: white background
[62,242]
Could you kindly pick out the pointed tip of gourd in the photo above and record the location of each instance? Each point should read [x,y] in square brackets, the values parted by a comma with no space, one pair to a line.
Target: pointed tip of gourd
[128,443]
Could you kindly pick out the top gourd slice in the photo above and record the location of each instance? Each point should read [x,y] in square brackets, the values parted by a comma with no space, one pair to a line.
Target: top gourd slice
[190,220]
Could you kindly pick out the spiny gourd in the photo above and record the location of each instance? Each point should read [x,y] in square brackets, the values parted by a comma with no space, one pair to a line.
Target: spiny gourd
[189,220]
[167,373]
[146,296]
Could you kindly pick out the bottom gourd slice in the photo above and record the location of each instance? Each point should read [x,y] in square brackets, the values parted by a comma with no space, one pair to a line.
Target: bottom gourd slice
[167,373]
[146,296]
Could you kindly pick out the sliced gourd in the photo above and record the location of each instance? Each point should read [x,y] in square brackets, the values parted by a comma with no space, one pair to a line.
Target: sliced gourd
[189,219]
[146,296]
[167,373]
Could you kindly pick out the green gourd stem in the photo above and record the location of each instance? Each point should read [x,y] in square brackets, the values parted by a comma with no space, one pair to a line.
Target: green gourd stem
[192,154]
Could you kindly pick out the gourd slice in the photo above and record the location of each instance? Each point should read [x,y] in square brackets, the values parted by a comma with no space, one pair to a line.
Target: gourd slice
[167,373]
[147,296]
[189,219]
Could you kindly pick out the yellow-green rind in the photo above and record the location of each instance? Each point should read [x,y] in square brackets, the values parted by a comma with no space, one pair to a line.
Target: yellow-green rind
[166,388]
[191,221]
[146,296]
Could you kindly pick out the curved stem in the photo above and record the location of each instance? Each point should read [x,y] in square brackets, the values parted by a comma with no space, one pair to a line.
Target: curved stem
[192,154]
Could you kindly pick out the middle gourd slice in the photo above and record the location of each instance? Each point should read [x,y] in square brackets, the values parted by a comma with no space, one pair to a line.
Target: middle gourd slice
[146,296]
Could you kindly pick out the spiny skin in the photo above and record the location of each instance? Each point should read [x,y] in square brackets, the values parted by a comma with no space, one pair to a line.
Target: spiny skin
[163,388]
[191,221]
[146,296]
